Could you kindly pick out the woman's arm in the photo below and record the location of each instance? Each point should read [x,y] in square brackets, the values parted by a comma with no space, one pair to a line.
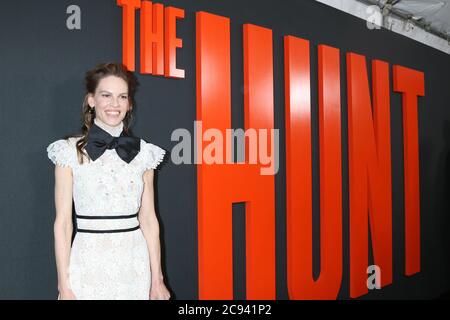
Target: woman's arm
[150,228]
[63,228]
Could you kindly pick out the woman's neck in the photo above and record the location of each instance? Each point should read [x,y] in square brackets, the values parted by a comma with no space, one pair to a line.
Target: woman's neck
[114,131]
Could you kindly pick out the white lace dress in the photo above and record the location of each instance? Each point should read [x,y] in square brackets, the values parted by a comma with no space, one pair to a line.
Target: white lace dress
[112,265]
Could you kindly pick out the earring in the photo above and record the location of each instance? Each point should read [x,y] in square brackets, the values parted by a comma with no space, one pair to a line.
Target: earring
[92,110]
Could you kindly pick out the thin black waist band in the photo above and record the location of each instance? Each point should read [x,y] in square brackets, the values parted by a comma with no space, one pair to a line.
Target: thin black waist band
[107,217]
[108,231]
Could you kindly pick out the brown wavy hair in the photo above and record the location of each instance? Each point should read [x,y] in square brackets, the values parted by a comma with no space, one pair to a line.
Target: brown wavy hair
[92,79]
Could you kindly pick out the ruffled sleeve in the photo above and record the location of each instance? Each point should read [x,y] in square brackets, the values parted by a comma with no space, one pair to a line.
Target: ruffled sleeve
[151,155]
[61,152]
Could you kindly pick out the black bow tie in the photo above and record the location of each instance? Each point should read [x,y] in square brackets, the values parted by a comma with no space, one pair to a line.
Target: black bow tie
[98,140]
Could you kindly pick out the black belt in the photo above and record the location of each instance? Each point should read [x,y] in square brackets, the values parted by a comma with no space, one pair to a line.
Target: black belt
[107,217]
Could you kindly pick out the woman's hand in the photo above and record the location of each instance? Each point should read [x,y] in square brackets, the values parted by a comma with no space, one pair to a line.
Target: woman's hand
[159,291]
[66,294]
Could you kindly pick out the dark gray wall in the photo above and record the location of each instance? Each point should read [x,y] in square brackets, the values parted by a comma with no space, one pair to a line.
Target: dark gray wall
[43,65]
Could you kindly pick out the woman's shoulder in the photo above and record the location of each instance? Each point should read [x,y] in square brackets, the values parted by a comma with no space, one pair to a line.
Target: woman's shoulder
[151,154]
[63,151]
[66,142]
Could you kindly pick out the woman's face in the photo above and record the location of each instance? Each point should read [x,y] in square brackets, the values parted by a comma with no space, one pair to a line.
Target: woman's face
[110,100]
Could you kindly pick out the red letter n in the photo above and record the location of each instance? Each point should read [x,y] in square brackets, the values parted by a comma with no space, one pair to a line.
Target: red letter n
[370,182]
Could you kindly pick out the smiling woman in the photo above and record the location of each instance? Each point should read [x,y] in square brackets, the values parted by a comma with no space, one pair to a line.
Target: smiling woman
[110,106]
[116,250]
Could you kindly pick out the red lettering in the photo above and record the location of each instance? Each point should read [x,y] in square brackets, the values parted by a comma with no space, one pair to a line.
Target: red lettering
[369,171]
[172,42]
[128,31]
[152,38]
[217,187]
[411,84]
[158,41]
[222,184]
[301,284]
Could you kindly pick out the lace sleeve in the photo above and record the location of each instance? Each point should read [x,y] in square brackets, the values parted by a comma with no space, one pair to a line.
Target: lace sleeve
[60,152]
[152,155]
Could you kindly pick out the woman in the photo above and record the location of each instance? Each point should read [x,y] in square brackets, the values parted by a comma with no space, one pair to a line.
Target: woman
[109,173]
